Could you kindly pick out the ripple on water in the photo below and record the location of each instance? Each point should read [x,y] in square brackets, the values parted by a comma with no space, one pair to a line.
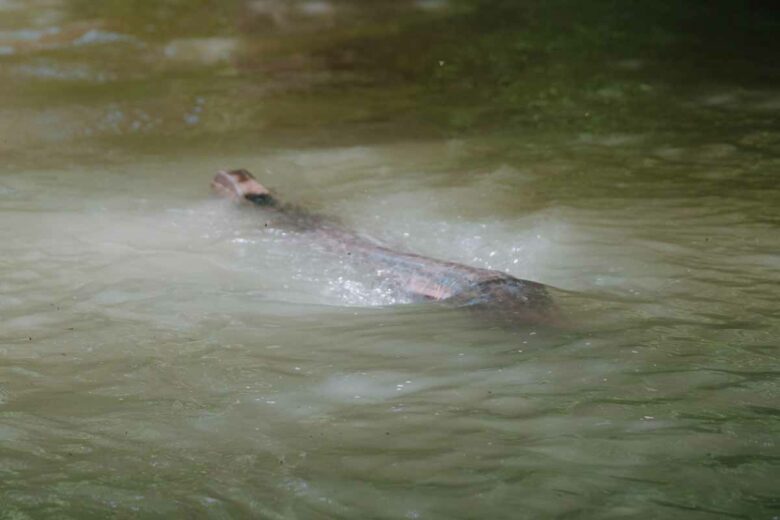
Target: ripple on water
[248,374]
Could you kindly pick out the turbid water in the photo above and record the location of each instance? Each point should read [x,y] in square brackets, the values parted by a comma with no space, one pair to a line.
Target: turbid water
[164,354]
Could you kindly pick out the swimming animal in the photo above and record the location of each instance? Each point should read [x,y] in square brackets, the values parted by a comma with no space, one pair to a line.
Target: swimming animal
[419,277]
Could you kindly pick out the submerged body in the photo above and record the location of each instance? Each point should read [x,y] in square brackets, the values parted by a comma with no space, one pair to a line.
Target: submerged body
[419,277]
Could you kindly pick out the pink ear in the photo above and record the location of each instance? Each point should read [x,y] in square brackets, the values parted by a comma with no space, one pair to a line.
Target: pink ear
[427,289]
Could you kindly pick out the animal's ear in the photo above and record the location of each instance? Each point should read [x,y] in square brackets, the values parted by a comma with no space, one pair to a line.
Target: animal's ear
[238,185]
[241,175]
[427,289]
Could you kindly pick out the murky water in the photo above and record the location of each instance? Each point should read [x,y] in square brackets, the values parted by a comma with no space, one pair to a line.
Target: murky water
[164,354]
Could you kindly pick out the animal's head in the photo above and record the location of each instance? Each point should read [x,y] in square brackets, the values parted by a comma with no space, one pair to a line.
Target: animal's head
[240,185]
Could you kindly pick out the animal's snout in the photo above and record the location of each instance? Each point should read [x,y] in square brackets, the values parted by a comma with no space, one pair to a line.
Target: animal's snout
[237,185]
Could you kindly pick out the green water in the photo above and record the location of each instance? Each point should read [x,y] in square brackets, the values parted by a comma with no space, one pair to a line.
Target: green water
[165,355]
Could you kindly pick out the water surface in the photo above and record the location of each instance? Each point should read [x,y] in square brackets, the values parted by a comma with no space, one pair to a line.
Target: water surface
[163,353]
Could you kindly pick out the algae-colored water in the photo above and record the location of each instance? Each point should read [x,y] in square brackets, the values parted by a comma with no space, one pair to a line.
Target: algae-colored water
[165,355]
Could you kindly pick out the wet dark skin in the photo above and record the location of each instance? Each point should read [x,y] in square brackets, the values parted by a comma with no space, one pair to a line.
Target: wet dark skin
[504,297]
